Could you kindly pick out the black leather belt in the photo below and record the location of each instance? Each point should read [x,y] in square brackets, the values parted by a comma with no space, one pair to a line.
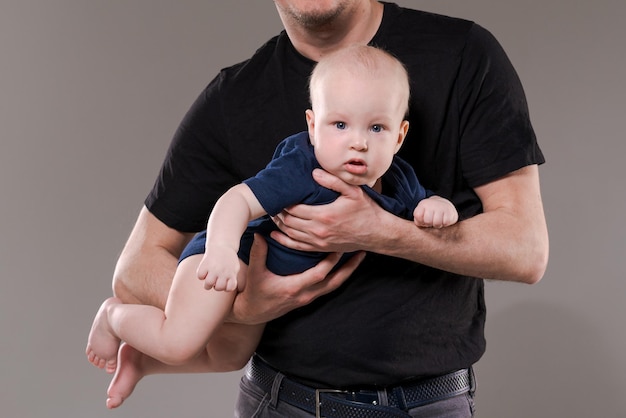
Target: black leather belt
[361,403]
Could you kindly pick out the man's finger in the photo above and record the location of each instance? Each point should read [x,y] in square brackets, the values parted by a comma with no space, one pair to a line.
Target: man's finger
[325,179]
[258,251]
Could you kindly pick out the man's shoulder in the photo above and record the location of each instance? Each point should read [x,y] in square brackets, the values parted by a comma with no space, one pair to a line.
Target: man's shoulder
[252,71]
[261,57]
[419,30]
[415,20]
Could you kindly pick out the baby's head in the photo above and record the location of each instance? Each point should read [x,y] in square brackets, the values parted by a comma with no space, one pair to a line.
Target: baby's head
[361,62]
[359,99]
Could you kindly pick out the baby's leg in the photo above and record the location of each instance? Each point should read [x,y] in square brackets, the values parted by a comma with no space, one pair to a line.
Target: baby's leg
[102,343]
[230,347]
[104,337]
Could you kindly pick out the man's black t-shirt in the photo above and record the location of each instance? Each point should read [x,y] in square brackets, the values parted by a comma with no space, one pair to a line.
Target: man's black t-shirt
[469,124]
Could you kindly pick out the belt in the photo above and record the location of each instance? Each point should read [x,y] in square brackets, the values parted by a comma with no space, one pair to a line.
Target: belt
[361,403]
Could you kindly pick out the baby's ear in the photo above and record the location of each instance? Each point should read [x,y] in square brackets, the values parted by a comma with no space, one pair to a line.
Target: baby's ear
[404,129]
[310,122]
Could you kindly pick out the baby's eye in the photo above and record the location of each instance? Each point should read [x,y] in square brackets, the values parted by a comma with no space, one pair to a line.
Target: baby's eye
[377,128]
[340,125]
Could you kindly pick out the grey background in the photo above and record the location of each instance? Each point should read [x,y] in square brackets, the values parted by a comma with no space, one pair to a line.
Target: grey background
[90,94]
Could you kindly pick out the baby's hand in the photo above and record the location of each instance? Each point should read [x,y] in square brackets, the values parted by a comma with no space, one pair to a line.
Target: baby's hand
[219,268]
[435,212]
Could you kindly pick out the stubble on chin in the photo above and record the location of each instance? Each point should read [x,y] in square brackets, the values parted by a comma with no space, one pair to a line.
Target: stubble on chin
[316,19]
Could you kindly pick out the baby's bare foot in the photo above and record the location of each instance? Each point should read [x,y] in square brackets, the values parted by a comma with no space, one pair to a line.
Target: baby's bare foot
[102,345]
[127,375]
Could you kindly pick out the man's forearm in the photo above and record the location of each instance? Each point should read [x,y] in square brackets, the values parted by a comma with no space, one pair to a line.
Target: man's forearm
[509,241]
[232,345]
[144,278]
[145,269]
[484,246]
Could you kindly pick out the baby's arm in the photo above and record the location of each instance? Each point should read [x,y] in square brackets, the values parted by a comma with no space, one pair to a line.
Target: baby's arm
[435,212]
[227,223]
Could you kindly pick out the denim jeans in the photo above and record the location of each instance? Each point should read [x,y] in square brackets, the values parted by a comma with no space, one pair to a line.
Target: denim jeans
[253,402]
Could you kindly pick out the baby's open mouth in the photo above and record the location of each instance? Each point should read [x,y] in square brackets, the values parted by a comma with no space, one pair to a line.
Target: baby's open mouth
[356,166]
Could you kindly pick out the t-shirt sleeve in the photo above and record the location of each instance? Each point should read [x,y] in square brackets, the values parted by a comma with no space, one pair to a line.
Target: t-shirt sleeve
[197,169]
[496,133]
[287,180]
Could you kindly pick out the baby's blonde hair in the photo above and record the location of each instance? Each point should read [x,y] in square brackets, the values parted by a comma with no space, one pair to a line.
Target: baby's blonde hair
[360,60]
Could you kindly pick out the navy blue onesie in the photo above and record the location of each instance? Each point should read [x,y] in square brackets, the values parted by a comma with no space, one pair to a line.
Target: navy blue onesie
[287,180]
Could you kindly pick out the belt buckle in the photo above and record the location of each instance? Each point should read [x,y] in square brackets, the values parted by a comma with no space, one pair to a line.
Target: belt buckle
[318,401]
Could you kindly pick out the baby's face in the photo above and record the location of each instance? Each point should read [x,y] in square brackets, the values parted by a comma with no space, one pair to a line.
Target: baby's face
[357,125]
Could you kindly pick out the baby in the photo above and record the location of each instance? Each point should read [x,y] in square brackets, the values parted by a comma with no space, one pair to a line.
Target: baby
[356,125]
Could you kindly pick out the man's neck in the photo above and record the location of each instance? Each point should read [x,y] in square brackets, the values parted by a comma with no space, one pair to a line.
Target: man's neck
[356,26]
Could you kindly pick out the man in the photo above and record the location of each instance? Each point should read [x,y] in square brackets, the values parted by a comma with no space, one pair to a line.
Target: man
[410,319]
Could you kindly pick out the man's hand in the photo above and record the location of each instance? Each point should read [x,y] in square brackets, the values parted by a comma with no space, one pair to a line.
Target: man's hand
[507,241]
[344,225]
[268,296]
